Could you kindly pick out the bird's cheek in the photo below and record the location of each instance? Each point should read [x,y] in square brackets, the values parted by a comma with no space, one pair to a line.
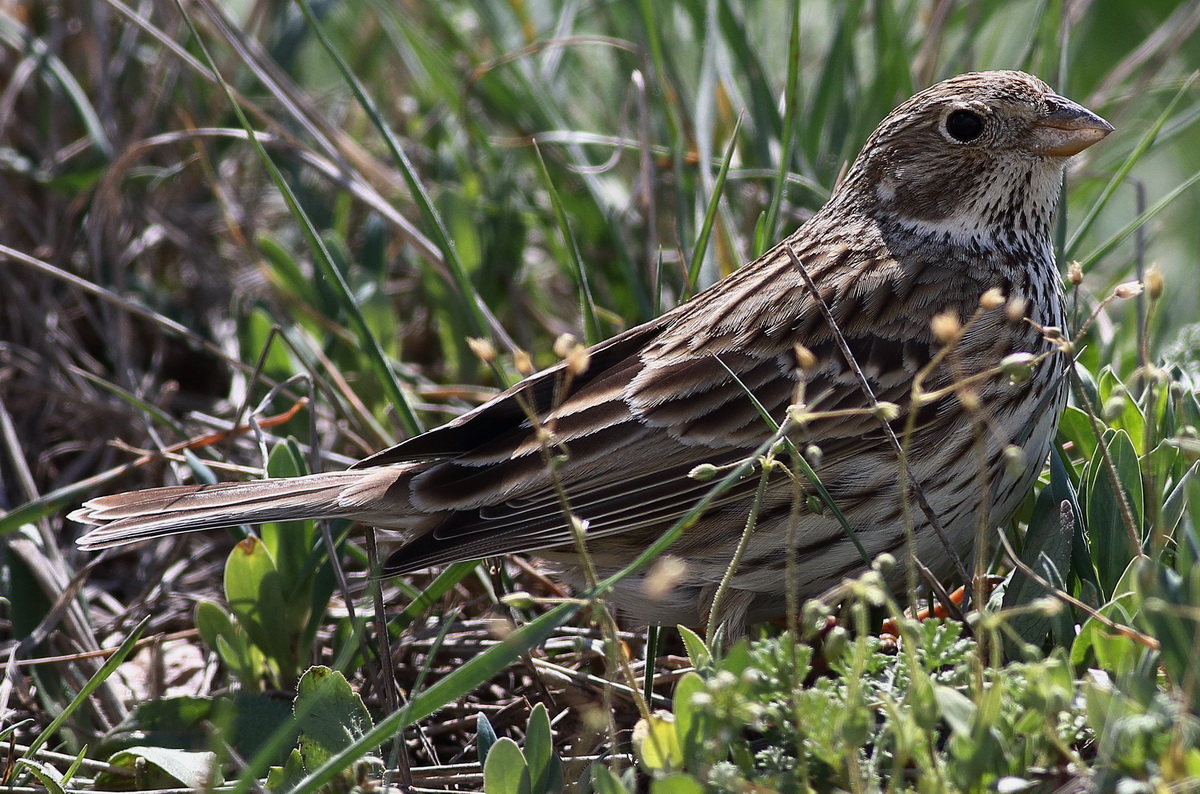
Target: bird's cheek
[885,189]
[925,201]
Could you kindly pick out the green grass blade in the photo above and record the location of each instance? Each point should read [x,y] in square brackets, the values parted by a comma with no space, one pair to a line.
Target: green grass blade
[476,312]
[321,255]
[710,215]
[587,306]
[108,668]
[20,39]
[447,690]
[1129,228]
[1134,157]
[791,98]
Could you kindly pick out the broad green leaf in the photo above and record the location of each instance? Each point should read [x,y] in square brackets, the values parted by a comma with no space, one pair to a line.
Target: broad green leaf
[259,335]
[1047,552]
[736,658]
[697,649]
[485,736]
[544,766]
[212,621]
[604,781]
[1062,488]
[45,773]
[162,767]
[331,715]
[243,658]
[505,771]
[688,724]
[282,779]
[252,587]
[1114,393]
[678,783]
[1175,505]
[657,744]
[306,577]
[1097,645]
[1075,428]
[288,542]
[1110,535]
[256,717]
[1169,608]
[956,708]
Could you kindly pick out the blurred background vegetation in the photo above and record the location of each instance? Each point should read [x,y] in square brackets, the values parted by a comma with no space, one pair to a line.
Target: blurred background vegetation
[521,170]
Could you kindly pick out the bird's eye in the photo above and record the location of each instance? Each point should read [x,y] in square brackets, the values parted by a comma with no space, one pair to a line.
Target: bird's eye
[964,125]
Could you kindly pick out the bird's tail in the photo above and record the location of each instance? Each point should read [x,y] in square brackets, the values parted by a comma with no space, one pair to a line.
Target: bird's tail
[366,495]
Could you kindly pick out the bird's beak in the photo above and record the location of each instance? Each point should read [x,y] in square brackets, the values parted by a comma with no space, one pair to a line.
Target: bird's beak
[1067,129]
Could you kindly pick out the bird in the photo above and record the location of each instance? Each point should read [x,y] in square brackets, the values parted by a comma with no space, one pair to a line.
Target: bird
[912,326]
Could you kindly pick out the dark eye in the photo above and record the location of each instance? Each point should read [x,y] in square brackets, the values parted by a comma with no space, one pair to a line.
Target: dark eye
[964,125]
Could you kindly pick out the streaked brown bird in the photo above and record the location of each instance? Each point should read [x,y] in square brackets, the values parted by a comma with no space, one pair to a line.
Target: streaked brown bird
[932,259]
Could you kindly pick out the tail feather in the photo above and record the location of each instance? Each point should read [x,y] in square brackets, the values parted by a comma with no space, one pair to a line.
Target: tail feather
[141,515]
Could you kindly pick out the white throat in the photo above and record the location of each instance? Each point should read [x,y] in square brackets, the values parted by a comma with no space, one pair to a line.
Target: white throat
[1003,212]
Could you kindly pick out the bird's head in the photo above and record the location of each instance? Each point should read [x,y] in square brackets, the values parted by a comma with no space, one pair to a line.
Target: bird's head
[973,154]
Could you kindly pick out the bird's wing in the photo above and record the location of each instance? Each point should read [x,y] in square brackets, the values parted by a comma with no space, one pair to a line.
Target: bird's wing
[624,441]
[511,409]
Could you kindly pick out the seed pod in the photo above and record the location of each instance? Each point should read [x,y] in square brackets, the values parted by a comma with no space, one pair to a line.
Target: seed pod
[1015,310]
[946,327]
[1014,459]
[1128,289]
[886,411]
[523,362]
[805,359]
[1018,367]
[1075,273]
[564,344]
[992,299]
[814,455]
[483,349]
[1154,283]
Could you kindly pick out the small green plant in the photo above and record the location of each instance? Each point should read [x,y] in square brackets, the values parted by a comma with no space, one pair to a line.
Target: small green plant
[277,589]
[330,717]
[929,717]
[146,768]
[509,770]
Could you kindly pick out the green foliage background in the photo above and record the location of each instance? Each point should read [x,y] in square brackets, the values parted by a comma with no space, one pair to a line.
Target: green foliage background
[515,171]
